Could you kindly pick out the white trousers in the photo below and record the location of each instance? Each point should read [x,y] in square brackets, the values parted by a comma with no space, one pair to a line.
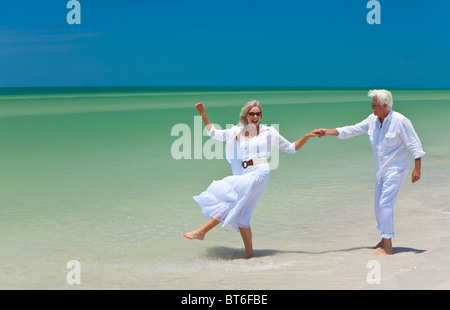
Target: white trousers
[386,192]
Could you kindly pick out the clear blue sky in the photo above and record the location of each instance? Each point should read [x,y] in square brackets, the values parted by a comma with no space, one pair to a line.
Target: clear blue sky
[325,43]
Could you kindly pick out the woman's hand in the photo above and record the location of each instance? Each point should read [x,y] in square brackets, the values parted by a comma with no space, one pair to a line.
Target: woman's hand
[202,111]
[200,108]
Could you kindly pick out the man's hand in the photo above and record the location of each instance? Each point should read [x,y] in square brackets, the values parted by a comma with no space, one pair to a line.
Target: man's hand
[415,176]
[327,132]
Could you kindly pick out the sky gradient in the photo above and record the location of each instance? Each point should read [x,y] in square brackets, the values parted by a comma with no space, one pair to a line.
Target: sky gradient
[225,43]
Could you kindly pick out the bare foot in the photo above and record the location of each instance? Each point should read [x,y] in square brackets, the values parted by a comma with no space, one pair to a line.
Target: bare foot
[386,247]
[195,234]
[248,256]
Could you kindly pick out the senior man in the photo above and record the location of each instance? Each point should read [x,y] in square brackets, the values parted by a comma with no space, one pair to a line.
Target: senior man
[391,136]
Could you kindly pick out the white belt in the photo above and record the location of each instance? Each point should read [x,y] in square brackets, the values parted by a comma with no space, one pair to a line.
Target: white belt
[255,161]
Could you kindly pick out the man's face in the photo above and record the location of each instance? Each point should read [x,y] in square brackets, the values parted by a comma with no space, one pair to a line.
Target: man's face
[379,110]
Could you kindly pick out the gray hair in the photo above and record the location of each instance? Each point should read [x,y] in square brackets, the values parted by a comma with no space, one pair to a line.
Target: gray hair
[246,108]
[383,96]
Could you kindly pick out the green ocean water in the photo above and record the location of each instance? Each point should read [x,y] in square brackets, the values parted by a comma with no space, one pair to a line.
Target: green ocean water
[88,174]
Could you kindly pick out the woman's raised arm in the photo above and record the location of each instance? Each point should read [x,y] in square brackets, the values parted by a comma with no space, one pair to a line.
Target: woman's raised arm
[202,111]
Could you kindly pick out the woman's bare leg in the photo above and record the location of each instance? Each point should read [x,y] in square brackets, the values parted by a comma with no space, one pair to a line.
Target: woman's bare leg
[201,232]
[246,234]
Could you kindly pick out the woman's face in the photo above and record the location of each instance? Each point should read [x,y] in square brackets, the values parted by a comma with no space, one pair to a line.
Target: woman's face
[254,116]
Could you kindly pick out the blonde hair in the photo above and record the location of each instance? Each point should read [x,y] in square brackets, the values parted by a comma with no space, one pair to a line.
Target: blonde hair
[383,96]
[246,108]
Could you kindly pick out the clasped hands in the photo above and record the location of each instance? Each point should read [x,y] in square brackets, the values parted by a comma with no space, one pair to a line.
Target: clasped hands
[322,132]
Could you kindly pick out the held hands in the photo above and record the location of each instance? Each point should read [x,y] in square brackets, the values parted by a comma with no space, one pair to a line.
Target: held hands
[315,133]
[318,133]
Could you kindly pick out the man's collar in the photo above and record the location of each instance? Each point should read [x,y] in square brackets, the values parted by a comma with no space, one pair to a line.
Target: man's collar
[387,118]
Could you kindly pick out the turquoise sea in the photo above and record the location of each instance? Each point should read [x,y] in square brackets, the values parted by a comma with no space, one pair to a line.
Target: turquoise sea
[89,175]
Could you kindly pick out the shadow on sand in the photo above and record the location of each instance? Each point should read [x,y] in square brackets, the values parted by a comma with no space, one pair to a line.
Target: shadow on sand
[219,252]
[398,250]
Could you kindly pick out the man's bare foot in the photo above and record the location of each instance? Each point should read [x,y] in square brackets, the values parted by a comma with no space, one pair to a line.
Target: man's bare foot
[386,247]
[195,234]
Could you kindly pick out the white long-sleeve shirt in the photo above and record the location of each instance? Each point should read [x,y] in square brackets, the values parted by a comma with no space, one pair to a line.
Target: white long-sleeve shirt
[390,141]
[247,149]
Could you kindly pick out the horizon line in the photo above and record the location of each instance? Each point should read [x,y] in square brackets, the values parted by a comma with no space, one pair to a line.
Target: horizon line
[225,86]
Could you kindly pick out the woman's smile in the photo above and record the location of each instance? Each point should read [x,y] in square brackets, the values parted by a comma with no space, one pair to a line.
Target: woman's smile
[254,116]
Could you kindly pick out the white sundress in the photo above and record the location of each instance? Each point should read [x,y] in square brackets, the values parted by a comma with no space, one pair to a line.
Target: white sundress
[233,199]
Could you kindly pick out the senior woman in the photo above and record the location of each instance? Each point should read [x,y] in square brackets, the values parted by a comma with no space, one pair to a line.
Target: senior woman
[233,199]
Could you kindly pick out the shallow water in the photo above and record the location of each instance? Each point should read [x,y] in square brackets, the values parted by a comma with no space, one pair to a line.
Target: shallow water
[88,174]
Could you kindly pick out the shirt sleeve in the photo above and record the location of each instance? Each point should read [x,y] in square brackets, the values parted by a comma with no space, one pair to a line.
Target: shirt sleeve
[282,143]
[411,139]
[219,134]
[353,130]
